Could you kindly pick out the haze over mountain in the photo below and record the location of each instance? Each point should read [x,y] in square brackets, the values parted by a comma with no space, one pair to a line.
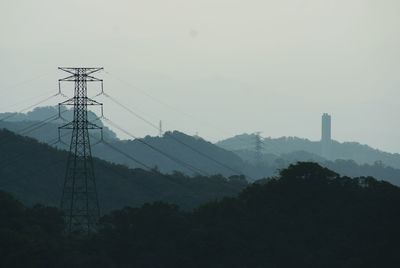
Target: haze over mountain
[173,180]
[48,132]
[244,145]
[233,156]
[241,66]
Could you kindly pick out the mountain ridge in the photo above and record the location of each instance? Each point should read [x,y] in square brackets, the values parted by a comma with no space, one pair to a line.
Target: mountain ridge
[236,157]
[34,172]
[361,153]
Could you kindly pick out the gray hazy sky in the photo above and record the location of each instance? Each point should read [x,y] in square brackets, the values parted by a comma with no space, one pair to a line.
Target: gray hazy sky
[218,67]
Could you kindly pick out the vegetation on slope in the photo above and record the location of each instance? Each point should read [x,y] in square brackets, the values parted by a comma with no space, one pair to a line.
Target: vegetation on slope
[34,172]
[308,216]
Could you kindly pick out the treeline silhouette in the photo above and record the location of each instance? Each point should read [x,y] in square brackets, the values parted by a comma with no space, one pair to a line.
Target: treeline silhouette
[308,216]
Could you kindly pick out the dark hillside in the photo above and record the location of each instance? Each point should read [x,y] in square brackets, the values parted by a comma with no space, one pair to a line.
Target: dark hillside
[34,172]
[308,216]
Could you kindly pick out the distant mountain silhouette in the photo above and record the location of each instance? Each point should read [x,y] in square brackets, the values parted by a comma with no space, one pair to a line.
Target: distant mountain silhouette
[34,172]
[348,158]
[49,131]
[361,154]
[178,145]
[231,157]
[181,146]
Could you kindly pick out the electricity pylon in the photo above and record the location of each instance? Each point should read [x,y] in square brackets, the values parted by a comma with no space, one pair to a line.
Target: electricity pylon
[79,197]
[258,148]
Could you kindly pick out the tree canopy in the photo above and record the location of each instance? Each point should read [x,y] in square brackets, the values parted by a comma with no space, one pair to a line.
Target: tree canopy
[307,216]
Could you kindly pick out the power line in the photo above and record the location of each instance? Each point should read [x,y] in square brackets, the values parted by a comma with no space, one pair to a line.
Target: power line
[31,172]
[203,154]
[180,112]
[111,167]
[29,107]
[25,100]
[19,156]
[126,155]
[26,81]
[34,127]
[172,136]
[178,161]
[149,169]
[30,128]
[38,125]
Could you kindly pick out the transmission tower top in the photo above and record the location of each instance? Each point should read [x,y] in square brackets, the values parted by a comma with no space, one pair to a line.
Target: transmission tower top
[75,70]
[80,74]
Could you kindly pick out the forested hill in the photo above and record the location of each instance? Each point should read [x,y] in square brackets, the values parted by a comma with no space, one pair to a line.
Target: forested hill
[195,151]
[202,155]
[308,216]
[48,130]
[34,172]
[244,145]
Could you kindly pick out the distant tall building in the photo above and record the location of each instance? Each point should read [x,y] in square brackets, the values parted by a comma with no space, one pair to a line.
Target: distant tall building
[160,130]
[326,139]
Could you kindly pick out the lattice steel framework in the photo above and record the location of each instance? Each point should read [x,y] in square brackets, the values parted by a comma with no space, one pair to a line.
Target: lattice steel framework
[79,197]
[258,148]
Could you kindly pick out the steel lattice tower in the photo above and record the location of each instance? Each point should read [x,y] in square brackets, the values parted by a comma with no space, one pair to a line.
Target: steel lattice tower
[79,197]
[258,148]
